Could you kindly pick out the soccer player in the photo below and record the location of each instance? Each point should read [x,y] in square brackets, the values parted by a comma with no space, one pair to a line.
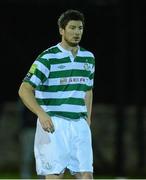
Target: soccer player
[58,89]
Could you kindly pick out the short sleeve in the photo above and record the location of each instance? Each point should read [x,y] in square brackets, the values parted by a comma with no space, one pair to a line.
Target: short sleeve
[38,72]
[91,77]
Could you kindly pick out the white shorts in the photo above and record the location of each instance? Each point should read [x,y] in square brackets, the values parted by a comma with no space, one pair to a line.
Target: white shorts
[69,147]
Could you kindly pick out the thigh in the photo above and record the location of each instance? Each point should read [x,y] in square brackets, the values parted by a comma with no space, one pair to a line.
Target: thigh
[84,175]
[51,150]
[53,176]
[81,158]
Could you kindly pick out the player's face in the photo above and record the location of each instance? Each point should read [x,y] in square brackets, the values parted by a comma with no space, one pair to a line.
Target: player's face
[72,33]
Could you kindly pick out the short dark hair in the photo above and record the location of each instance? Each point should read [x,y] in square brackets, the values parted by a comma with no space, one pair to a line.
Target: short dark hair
[68,16]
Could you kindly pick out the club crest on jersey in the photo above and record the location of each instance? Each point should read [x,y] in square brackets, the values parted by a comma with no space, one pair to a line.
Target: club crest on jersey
[86,66]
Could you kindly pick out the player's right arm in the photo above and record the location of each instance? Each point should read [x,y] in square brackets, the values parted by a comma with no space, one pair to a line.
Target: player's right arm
[26,93]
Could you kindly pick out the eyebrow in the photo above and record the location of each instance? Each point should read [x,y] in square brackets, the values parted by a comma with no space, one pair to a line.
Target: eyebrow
[75,25]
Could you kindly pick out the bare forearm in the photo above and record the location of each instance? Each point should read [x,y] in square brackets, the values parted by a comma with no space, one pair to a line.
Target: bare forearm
[88,102]
[26,93]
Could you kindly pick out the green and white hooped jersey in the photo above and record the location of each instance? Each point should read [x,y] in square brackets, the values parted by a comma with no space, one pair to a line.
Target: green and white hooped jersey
[61,81]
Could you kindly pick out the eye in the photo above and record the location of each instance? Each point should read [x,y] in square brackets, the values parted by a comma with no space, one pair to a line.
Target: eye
[81,28]
[72,27]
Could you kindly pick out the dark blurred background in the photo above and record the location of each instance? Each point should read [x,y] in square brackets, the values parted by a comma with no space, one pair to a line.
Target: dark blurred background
[115,32]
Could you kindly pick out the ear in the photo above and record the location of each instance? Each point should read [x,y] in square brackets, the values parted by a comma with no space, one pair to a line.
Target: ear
[61,31]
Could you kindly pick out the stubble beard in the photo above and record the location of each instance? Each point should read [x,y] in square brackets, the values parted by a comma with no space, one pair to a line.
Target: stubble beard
[71,44]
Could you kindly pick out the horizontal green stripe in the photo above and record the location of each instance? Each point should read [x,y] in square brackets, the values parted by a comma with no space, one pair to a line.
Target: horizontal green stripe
[89,88]
[54,50]
[40,75]
[69,115]
[91,76]
[71,87]
[82,49]
[45,62]
[85,59]
[57,102]
[59,61]
[69,73]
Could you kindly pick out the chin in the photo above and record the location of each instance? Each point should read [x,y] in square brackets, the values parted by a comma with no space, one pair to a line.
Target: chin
[73,44]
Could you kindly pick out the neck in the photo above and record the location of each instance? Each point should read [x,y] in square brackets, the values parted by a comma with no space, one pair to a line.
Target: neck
[68,47]
[73,49]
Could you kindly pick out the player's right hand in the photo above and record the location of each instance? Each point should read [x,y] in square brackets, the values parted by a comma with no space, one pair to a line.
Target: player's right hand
[46,122]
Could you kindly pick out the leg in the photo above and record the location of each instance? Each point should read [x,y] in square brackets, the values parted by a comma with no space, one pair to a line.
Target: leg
[51,151]
[81,163]
[52,176]
[84,175]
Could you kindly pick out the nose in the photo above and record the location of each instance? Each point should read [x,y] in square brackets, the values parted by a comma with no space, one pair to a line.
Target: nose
[77,31]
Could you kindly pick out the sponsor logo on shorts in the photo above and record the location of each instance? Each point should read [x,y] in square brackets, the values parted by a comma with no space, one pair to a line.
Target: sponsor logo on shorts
[47,166]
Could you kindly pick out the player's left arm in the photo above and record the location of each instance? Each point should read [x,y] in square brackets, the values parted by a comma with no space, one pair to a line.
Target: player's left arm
[88,102]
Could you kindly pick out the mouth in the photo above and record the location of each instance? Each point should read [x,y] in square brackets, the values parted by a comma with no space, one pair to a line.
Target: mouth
[76,38]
